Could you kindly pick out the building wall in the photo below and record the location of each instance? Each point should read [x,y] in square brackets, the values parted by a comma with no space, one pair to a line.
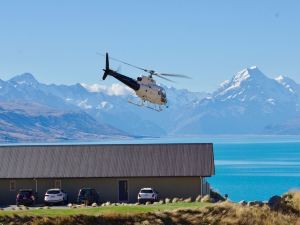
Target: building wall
[107,188]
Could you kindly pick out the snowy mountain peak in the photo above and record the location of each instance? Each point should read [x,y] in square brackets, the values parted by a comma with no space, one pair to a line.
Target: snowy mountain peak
[247,74]
[25,78]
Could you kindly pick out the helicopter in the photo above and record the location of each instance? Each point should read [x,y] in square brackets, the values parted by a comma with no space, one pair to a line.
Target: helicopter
[151,95]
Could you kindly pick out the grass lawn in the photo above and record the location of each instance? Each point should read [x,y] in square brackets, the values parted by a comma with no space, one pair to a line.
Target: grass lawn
[122,209]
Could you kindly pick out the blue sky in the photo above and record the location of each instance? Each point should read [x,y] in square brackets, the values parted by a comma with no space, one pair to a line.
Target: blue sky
[210,41]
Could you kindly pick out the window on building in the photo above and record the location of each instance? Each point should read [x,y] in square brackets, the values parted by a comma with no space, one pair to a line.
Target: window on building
[12,185]
[57,184]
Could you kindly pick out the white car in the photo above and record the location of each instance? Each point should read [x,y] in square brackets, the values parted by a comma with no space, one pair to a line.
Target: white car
[54,196]
[147,195]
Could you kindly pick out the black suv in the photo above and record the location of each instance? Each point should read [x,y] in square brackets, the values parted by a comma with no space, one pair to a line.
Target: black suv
[26,197]
[87,196]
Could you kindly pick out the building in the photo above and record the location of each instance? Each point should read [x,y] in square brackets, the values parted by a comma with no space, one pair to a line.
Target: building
[117,171]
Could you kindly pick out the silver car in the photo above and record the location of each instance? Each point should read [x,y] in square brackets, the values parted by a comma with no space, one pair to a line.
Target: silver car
[147,195]
[55,196]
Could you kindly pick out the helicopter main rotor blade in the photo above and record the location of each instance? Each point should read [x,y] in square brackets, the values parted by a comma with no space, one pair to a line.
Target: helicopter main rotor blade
[163,77]
[174,75]
[128,64]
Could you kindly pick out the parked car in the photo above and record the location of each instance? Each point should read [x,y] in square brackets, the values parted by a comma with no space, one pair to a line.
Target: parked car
[55,196]
[26,197]
[88,196]
[147,195]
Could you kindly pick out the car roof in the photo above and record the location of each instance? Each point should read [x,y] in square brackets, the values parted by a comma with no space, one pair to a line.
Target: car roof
[25,190]
[148,188]
[54,189]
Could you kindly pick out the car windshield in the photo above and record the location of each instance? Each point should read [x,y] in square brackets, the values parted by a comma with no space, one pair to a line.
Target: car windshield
[85,192]
[52,192]
[146,191]
[25,193]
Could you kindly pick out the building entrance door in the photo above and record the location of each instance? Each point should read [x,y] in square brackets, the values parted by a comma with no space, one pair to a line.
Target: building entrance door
[123,191]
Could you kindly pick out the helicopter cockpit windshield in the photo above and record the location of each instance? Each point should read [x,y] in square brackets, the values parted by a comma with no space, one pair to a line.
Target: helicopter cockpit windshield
[162,93]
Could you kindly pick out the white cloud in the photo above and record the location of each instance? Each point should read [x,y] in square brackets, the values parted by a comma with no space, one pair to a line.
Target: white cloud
[114,89]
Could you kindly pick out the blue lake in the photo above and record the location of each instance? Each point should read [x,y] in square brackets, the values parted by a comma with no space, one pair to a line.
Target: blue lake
[248,167]
[256,170]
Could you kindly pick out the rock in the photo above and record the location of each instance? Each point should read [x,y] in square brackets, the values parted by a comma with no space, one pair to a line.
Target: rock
[255,203]
[70,205]
[94,204]
[147,203]
[167,200]
[103,204]
[161,202]
[137,203]
[206,198]
[188,200]
[198,198]
[107,204]
[46,207]
[180,199]
[243,203]
[175,200]
[217,197]
[155,203]
[275,202]
[74,206]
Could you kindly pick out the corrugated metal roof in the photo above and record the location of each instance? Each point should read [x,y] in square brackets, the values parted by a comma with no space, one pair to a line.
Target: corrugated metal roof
[117,160]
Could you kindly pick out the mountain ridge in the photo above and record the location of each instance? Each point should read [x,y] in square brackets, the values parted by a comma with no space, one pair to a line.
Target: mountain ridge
[248,103]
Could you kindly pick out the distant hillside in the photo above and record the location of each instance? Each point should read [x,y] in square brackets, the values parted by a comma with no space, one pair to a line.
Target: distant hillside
[36,123]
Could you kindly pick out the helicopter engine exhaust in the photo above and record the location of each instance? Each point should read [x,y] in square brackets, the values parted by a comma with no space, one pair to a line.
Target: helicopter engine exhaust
[133,84]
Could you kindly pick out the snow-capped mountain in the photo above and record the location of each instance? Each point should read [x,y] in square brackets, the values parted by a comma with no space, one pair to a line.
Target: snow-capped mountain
[248,103]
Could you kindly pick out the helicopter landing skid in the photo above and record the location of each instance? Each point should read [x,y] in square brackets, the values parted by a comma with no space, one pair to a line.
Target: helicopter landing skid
[146,104]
